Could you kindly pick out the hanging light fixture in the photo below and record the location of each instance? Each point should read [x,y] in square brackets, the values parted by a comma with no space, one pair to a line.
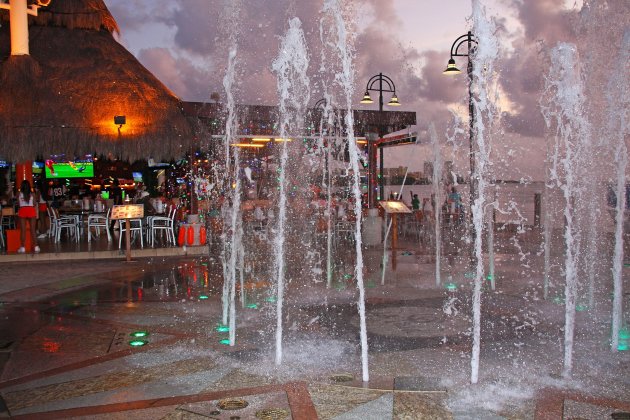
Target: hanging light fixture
[394,100]
[366,98]
[451,68]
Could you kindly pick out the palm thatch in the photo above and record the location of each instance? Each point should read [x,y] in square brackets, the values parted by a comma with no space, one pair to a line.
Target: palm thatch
[64,96]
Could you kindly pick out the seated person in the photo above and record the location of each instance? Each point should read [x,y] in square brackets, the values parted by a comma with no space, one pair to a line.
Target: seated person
[145,199]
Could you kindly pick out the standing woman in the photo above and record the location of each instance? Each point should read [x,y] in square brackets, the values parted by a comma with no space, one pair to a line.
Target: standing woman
[43,222]
[27,202]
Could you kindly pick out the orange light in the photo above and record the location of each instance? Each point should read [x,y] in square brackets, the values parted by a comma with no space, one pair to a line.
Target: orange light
[50,346]
[257,146]
[261,139]
[279,140]
[361,141]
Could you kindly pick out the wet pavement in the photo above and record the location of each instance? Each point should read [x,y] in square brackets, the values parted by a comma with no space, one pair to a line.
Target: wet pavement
[111,339]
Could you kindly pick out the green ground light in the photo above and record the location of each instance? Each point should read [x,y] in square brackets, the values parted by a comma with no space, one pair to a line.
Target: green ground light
[138,343]
[490,277]
[138,334]
[450,287]
[225,342]
[624,334]
[252,306]
[581,308]
[222,328]
[203,297]
[271,299]
[623,346]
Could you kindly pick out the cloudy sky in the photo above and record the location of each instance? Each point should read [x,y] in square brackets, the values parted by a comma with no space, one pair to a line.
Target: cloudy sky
[183,42]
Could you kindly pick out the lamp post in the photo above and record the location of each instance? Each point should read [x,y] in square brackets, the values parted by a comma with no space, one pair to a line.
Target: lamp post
[378,83]
[468,40]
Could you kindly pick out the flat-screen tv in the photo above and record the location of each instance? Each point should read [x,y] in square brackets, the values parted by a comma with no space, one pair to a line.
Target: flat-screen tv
[137,176]
[38,167]
[58,168]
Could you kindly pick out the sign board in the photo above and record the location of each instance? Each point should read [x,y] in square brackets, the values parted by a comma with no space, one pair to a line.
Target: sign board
[128,211]
[394,207]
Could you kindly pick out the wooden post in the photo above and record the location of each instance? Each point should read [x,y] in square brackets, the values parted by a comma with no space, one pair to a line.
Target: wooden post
[394,239]
[127,212]
[128,239]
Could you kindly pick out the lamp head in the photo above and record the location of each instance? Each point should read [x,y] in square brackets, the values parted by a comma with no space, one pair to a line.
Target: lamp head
[394,100]
[120,120]
[366,98]
[451,68]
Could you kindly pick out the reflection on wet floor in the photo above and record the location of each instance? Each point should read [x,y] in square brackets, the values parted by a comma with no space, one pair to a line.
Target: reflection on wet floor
[83,338]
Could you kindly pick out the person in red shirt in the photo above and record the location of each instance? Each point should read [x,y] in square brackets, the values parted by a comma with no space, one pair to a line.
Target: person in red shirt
[27,201]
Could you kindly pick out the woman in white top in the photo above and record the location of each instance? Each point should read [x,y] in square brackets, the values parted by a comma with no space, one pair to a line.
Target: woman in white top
[27,202]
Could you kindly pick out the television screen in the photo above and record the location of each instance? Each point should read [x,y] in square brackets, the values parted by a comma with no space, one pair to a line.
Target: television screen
[38,167]
[76,169]
[137,176]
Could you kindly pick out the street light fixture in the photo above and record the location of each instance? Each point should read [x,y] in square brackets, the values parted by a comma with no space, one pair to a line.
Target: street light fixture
[468,40]
[379,83]
[385,84]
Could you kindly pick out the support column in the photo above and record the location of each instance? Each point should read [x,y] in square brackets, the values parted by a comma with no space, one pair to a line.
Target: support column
[18,14]
[381,179]
[372,170]
[23,171]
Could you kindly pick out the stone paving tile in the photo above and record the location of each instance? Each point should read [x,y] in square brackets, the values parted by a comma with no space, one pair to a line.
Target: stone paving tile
[331,400]
[18,400]
[421,406]
[334,400]
[295,394]
[381,408]
[239,379]
[58,344]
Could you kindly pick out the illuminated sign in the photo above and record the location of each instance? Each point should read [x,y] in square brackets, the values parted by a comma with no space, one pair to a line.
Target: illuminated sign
[129,211]
[394,207]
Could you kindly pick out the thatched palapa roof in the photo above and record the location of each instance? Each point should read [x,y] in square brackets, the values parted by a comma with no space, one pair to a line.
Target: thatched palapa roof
[64,96]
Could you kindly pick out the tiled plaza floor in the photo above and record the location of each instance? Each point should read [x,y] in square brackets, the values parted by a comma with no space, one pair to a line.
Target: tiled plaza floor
[67,326]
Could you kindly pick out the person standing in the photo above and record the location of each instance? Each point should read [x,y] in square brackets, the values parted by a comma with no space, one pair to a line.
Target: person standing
[415,202]
[57,192]
[455,205]
[27,201]
[43,222]
[115,193]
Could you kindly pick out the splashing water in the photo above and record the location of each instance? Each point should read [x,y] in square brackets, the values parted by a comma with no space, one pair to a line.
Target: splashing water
[346,80]
[565,112]
[293,89]
[235,221]
[484,113]
[231,239]
[617,96]
[437,198]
